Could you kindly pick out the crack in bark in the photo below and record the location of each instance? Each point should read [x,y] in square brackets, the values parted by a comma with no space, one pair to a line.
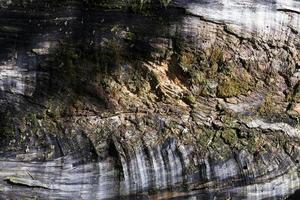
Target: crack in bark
[288,10]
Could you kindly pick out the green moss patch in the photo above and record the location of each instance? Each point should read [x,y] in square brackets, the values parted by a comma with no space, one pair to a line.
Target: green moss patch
[235,82]
[229,88]
[229,136]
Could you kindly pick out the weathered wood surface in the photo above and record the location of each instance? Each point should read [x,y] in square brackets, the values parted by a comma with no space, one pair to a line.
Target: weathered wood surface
[198,100]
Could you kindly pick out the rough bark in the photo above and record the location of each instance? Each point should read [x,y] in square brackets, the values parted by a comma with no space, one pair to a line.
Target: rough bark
[108,100]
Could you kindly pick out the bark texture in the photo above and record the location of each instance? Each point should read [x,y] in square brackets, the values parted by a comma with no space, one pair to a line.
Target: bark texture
[110,100]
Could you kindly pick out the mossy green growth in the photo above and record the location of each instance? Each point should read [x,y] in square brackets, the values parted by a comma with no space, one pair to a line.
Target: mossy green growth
[230,120]
[229,88]
[252,143]
[190,99]
[216,57]
[208,67]
[122,33]
[268,106]
[219,146]
[53,113]
[235,81]
[73,66]
[203,137]
[203,68]
[187,61]
[130,36]
[229,136]
[165,2]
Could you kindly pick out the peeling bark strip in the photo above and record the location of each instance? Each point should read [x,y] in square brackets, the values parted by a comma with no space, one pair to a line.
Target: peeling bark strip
[27,182]
[286,128]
